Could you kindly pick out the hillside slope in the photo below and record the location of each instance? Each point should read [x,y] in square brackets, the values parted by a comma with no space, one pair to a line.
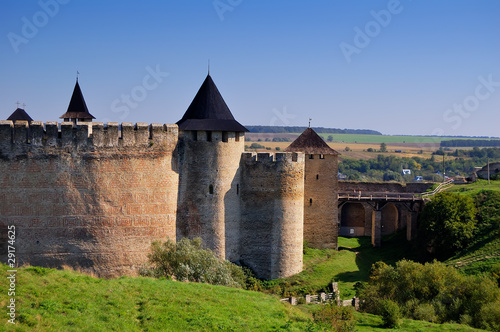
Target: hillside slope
[54,300]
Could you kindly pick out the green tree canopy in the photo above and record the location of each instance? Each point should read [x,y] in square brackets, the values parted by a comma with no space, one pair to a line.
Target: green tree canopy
[447,224]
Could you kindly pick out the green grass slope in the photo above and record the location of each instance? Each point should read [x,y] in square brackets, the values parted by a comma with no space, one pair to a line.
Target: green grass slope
[484,254]
[53,300]
[367,322]
[350,264]
[472,189]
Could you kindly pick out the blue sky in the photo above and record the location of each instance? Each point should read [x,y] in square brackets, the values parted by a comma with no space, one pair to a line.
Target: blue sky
[399,67]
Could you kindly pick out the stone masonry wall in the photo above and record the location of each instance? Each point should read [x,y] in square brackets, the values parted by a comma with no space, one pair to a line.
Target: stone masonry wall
[209,205]
[272,210]
[320,201]
[87,195]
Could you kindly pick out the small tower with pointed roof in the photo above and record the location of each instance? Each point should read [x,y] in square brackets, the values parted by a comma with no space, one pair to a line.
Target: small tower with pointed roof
[20,115]
[77,109]
[211,142]
[320,189]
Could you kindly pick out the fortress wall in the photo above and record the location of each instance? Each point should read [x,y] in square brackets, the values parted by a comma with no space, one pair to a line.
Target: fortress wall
[209,194]
[87,195]
[390,187]
[320,201]
[272,209]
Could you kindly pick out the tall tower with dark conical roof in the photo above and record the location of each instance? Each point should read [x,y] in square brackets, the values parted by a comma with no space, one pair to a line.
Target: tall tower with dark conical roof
[211,142]
[320,189]
[77,109]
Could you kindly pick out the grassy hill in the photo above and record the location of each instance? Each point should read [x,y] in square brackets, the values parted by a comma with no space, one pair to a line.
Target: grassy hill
[53,300]
[350,264]
[484,255]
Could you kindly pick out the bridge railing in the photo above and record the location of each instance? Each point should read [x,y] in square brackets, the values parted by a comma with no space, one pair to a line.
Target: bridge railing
[443,186]
[378,196]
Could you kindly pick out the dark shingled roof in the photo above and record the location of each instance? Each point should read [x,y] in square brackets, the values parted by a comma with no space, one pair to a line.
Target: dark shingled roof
[20,114]
[208,111]
[77,108]
[310,143]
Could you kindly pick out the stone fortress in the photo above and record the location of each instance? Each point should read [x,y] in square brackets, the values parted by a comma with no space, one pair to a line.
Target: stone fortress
[94,196]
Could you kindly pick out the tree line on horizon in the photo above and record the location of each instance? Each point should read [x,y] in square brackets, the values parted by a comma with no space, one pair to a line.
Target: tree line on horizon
[319,130]
[470,143]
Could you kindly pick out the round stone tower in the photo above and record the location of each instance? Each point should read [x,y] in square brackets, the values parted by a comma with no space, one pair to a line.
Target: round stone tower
[320,190]
[210,145]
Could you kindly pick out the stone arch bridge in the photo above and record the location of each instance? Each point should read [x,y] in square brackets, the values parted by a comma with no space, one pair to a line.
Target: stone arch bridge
[376,209]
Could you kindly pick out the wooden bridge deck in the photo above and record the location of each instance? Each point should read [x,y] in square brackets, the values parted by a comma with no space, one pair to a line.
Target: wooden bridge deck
[372,196]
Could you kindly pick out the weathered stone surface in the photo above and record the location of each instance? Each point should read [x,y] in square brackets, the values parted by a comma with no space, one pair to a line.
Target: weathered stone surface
[94,196]
[78,204]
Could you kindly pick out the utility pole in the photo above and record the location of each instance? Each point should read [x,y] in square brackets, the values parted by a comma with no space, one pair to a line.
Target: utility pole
[444,170]
[488,171]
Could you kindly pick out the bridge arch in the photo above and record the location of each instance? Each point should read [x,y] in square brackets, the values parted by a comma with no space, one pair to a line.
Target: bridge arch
[352,219]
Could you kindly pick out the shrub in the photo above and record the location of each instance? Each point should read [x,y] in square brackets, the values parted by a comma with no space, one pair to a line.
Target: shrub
[433,292]
[186,260]
[425,311]
[341,319]
[390,313]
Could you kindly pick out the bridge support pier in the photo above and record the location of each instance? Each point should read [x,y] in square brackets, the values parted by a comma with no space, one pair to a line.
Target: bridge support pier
[377,227]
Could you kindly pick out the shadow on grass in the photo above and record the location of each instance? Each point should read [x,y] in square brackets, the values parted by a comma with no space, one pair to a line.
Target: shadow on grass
[394,248]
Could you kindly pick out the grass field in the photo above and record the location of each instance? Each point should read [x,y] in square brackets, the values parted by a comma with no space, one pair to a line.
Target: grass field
[368,322]
[473,188]
[52,300]
[350,264]
[407,146]
[55,300]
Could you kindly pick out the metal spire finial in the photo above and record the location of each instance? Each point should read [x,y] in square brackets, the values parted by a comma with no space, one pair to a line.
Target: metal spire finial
[77,73]
[310,122]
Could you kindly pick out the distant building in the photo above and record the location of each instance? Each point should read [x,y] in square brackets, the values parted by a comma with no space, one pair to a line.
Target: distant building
[77,109]
[494,171]
[418,178]
[406,171]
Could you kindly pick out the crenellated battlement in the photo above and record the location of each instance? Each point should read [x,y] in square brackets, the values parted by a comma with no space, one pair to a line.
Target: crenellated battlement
[268,158]
[19,137]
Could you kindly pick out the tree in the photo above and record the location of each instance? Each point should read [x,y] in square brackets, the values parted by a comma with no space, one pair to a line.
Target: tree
[383,147]
[330,138]
[447,224]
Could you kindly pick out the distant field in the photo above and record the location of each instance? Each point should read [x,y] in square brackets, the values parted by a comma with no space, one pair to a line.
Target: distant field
[352,138]
[360,138]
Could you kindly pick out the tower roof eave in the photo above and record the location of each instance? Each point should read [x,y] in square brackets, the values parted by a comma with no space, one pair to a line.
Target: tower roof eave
[77,108]
[309,142]
[209,111]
